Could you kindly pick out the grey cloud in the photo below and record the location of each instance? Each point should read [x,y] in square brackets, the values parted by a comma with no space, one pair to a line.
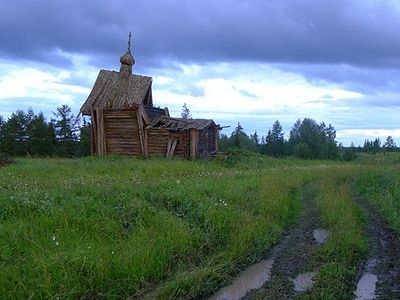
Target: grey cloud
[359,32]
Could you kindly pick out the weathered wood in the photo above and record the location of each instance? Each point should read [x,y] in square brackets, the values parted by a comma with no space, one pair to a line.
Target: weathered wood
[169,146]
[216,140]
[146,145]
[141,133]
[171,152]
[144,115]
[100,132]
[93,132]
[194,140]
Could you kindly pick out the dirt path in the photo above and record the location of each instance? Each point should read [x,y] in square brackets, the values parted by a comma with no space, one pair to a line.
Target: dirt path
[274,277]
[382,268]
[291,257]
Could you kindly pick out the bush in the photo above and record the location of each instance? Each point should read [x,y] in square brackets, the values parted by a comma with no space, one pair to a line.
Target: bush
[302,150]
[349,155]
[5,159]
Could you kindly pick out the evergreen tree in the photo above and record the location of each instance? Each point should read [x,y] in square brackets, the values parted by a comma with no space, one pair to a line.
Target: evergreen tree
[14,134]
[185,112]
[389,145]
[66,131]
[376,146]
[255,138]
[367,146]
[84,142]
[41,135]
[237,134]
[275,142]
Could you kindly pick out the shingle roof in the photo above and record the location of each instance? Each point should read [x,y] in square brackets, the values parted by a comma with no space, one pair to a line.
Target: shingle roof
[178,124]
[113,91]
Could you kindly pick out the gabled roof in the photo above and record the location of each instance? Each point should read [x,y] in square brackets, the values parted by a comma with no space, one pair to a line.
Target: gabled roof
[178,124]
[114,91]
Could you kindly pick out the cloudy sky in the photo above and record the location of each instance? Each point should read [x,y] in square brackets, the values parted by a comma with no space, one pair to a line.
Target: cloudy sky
[253,61]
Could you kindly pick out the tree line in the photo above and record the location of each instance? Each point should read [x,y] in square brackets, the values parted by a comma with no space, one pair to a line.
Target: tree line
[307,140]
[27,133]
[66,135]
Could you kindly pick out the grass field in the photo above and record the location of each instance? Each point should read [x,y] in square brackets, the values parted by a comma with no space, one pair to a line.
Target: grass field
[118,227]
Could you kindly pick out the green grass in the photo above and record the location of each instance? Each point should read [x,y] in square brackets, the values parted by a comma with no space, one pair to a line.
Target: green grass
[164,229]
[121,227]
[346,247]
[381,187]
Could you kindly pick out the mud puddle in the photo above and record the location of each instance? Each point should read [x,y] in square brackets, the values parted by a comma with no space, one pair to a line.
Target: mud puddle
[252,278]
[286,261]
[379,278]
[304,281]
[320,235]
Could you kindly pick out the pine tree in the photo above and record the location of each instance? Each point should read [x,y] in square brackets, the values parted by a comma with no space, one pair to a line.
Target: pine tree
[389,145]
[66,131]
[84,141]
[275,142]
[185,112]
[41,135]
[14,134]
[236,135]
[376,146]
[255,138]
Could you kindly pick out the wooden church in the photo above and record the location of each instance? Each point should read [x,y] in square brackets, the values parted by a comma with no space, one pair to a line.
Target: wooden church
[124,120]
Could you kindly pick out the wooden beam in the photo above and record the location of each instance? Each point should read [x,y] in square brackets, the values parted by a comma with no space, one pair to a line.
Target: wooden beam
[93,148]
[144,115]
[216,139]
[169,146]
[100,132]
[194,141]
[141,133]
[171,152]
[146,143]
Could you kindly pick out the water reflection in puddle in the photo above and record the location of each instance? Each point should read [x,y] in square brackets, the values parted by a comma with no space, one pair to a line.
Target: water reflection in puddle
[320,235]
[366,287]
[367,284]
[303,281]
[252,278]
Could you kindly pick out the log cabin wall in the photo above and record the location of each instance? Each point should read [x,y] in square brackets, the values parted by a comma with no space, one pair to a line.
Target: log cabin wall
[208,142]
[161,142]
[121,132]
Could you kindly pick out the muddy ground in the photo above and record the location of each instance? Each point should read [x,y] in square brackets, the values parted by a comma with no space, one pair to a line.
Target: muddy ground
[384,254]
[294,255]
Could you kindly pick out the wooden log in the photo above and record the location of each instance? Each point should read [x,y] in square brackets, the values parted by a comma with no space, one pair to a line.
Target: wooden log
[93,132]
[194,140]
[169,146]
[216,139]
[171,152]
[100,132]
[141,133]
[146,144]
[144,115]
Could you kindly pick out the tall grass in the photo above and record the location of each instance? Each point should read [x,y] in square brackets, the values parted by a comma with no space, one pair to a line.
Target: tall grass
[119,227]
[381,186]
[346,247]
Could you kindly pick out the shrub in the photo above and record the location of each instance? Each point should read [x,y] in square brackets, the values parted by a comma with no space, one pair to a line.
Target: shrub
[5,159]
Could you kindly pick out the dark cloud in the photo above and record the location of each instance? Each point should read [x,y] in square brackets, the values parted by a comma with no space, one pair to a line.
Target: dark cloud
[359,32]
[363,79]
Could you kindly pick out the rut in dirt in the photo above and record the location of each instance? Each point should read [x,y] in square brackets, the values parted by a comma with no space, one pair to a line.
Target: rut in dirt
[379,277]
[289,268]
